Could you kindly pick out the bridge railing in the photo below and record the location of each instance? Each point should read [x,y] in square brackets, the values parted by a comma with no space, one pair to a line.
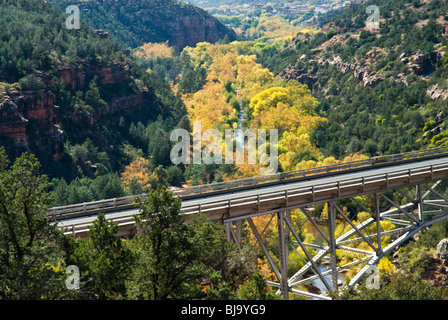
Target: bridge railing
[128,202]
[338,187]
[310,171]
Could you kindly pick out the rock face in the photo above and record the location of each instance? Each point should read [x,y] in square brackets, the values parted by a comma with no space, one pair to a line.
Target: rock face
[369,79]
[39,107]
[372,80]
[12,123]
[442,249]
[420,63]
[190,30]
[108,74]
[30,121]
[292,73]
[434,92]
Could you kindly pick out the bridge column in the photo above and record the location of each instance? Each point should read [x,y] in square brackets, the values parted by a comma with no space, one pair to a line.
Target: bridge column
[229,231]
[239,228]
[232,234]
[332,244]
[420,203]
[378,224]
[283,236]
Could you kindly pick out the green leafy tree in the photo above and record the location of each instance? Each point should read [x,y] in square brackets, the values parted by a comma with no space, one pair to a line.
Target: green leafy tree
[225,266]
[104,261]
[174,176]
[159,146]
[174,257]
[135,187]
[31,264]
[167,251]
[256,289]
[93,96]
[109,186]
[60,191]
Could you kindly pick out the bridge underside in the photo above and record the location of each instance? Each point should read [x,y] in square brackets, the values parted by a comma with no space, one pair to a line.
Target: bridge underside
[367,241]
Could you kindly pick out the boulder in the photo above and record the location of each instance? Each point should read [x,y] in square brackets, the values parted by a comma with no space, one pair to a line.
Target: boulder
[372,81]
[403,58]
[442,249]
[420,63]
[292,73]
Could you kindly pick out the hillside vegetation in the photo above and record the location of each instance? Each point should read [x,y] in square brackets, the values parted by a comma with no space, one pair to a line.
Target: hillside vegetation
[383,91]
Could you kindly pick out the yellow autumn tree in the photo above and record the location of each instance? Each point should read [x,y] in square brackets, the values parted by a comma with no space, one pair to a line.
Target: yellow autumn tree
[385,266]
[209,106]
[294,95]
[292,145]
[265,270]
[268,98]
[265,225]
[223,68]
[154,50]
[310,123]
[250,72]
[355,157]
[136,169]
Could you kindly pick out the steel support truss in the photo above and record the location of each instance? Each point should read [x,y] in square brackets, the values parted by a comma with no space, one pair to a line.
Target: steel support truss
[423,208]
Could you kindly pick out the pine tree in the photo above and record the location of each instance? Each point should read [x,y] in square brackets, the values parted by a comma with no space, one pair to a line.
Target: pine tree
[30,247]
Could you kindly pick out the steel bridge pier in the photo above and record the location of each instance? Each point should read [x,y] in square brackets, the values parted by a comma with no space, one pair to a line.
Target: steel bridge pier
[422,209]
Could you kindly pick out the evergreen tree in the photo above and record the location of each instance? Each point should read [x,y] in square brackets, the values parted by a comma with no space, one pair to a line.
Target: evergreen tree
[104,261]
[31,260]
[167,252]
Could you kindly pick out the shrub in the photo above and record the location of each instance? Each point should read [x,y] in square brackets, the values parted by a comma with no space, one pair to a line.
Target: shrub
[31,83]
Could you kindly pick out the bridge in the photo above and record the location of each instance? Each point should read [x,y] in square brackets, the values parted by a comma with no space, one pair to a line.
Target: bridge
[415,176]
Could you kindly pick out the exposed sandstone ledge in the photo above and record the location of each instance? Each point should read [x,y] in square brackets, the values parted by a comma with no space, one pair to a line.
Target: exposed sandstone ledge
[190,30]
[12,123]
[292,73]
[30,120]
[360,73]
[121,104]
[435,92]
[107,75]
[39,107]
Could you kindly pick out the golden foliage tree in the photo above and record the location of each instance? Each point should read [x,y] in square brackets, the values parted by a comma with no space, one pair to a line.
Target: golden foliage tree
[154,50]
[137,169]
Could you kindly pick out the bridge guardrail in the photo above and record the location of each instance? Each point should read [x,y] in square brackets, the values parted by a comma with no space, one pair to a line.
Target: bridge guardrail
[80,227]
[127,202]
[311,171]
[407,173]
